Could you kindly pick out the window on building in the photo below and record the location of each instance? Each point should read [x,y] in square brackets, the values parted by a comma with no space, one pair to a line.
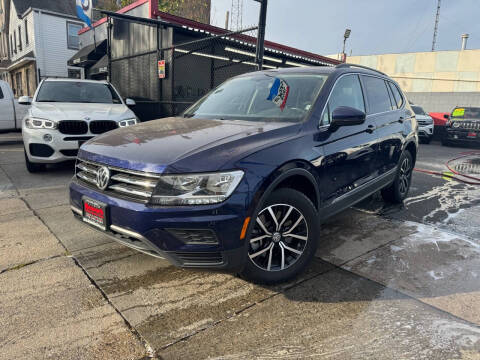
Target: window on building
[72,35]
[26,32]
[18,81]
[27,79]
[347,92]
[19,38]
[377,95]
[74,73]
[14,42]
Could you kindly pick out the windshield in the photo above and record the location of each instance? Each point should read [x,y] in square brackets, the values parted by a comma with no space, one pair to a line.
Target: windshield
[77,92]
[264,97]
[418,110]
[466,113]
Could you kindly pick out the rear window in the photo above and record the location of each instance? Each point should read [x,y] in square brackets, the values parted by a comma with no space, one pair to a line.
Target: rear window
[466,113]
[377,95]
[397,95]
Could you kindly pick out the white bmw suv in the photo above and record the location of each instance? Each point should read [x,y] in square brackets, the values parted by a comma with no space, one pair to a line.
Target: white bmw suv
[65,113]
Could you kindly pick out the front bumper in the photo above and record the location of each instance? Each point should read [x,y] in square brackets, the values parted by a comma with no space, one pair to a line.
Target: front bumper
[457,135]
[63,147]
[149,229]
[425,131]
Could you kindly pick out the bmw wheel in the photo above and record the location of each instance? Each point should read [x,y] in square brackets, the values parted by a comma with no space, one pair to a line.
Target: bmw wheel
[283,239]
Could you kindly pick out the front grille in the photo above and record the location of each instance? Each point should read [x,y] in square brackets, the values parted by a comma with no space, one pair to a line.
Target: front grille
[191,236]
[135,185]
[73,127]
[424,122]
[102,126]
[199,258]
[468,125]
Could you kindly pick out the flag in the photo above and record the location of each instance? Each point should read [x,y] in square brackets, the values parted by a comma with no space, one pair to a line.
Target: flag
[84,11]
[279,93]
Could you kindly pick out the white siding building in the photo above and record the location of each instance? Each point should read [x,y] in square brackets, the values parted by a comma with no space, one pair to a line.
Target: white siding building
[43,35]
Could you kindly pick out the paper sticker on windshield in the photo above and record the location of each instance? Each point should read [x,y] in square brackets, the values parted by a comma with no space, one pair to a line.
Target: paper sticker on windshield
[279,93]
[458,112]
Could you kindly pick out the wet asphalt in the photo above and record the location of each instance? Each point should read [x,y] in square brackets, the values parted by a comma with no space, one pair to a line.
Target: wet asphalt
[388,282]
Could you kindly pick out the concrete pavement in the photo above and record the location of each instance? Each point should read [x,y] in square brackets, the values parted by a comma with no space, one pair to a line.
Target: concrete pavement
[388,282]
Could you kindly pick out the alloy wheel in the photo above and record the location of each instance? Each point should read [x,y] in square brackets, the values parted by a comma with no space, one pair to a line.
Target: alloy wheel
[279,237]
[404,176]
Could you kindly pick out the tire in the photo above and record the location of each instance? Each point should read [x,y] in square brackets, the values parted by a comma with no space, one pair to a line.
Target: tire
[398,190]
[33,167]
[296,215]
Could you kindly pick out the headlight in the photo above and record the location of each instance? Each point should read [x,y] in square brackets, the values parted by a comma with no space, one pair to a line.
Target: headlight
[36,123]
[196,189]
[127,122]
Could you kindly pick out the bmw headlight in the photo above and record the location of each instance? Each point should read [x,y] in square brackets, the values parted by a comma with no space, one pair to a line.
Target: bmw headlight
[196,189]
[36,123]
[127,122]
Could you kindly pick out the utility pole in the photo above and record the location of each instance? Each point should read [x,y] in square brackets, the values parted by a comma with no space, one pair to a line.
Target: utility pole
[435,30]
[226,20]
[262,22]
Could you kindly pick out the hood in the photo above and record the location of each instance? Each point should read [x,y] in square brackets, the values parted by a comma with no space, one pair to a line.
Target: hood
[423,117]
[183,145]
[80,111]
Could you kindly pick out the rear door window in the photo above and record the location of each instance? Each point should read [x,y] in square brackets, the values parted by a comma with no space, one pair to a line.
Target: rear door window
[397,95]
[347,92]
[377,95]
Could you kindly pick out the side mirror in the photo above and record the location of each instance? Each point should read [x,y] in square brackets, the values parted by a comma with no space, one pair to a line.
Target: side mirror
[25,100]
[346,116]
[130,102]
[446,116]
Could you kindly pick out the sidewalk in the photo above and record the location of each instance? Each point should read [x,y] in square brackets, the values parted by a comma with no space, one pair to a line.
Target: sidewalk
[10,138]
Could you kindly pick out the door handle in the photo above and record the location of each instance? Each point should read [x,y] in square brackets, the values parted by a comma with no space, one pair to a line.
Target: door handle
[401,120]
[371,129]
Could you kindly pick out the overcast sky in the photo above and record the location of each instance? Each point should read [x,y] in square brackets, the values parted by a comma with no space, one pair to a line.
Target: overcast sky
[378,26]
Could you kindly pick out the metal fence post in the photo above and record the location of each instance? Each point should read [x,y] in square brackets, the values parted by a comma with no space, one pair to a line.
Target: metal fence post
[262,22]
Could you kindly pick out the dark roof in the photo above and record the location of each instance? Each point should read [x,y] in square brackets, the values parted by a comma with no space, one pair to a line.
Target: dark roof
[89,54]
[67,7]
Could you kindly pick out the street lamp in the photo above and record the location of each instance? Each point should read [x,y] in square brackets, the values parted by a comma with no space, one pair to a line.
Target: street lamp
[345,37]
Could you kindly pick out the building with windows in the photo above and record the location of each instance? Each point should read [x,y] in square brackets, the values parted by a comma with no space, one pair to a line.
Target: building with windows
[41,35]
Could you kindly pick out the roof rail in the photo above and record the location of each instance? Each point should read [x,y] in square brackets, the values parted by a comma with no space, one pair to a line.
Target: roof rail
[347,65]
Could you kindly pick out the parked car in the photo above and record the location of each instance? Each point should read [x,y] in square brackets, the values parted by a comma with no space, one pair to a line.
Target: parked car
[463,126]
[11,112]
[244,178]
[65,113]
[425,124]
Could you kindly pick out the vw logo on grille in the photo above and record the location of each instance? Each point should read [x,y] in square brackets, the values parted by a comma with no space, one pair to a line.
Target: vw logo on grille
[103,177]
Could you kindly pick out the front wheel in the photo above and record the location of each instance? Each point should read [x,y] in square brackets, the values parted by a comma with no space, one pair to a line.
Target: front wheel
[283,239]
[33,167]
[398,191]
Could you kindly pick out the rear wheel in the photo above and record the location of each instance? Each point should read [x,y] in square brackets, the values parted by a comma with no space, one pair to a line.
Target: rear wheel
[284,238]
[32,167]
[398,191]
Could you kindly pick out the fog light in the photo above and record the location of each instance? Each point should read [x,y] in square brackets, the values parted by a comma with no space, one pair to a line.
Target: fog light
[47,137]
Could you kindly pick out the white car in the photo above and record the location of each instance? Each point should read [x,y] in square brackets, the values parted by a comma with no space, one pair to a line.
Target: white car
[65,113]
[425,124]
[11,112]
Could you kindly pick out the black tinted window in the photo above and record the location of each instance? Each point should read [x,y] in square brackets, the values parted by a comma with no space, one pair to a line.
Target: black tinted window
[377,95]
[397,95]
[418,110]
[347,92]
[1,93]
[77,92]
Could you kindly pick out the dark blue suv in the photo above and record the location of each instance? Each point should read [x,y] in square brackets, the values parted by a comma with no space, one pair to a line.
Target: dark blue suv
[244,178]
